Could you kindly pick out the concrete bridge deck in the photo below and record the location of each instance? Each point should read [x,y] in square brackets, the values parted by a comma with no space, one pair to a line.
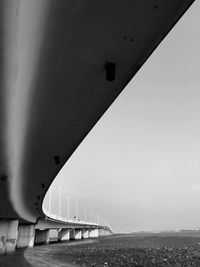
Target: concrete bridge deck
[63,63]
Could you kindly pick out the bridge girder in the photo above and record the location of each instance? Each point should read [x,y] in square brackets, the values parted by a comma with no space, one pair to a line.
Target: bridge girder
[63,63]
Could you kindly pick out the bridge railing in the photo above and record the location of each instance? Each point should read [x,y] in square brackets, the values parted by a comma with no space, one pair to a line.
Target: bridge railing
[60,207]
[64,219]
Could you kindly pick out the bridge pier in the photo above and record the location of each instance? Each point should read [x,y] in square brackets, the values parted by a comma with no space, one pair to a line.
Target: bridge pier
[64,235]
[102,232]
[8,236]
[96,232]
[26,236]
[75,234]
[93,232]
[53,235]
[85,233]
[42,236]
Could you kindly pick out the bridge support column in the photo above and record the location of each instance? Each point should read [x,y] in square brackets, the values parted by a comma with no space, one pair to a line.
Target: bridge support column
[91,233]
[42,236]
[8,236]
[53,235]
[75,234]
[64,235]
[26,236]
[102,232]
[85,233]
[96,232]
[78,234]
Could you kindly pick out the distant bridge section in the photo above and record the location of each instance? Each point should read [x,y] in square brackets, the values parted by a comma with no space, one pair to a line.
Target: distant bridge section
[69,210]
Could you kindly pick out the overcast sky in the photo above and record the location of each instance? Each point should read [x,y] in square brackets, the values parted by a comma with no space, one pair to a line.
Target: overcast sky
[139,167]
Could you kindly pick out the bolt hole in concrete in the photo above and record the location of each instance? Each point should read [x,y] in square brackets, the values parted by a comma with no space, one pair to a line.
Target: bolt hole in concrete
[4,178]
[110,68]
[57,160]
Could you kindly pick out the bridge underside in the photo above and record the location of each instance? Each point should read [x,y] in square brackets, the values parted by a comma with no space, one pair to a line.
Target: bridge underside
[14,235]
[63,63]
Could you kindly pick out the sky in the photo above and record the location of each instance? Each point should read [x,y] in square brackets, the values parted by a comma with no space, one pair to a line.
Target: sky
[139,166]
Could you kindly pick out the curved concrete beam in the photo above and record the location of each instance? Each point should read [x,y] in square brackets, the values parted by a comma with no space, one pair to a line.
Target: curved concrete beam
[63,64]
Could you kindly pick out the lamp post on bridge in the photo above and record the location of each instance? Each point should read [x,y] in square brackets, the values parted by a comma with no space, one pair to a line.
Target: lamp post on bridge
[50,200]
[90,216]
[94,215]
[77,210]
[85,214]
[97,219]
[60,199]
[67,207]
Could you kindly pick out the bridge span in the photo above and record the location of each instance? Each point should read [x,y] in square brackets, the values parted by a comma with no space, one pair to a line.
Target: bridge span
[63,63]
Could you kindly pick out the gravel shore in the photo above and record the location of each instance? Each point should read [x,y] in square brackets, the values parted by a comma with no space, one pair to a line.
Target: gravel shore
[113,251]
[135,251]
